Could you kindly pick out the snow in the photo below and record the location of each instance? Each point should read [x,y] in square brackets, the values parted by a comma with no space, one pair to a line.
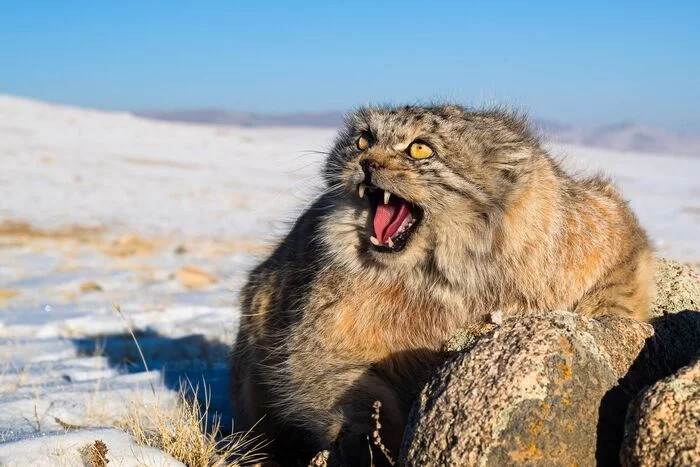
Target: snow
[68,449]
[120,209]
[663,190]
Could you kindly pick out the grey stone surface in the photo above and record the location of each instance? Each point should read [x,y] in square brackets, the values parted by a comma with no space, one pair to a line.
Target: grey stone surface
[663,423]
[525,393]
[550,389]
[677,288]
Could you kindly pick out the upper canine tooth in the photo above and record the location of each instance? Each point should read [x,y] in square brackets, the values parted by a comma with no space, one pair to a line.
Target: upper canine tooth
[361,190]
[391,243]
[374,241]
[387,195]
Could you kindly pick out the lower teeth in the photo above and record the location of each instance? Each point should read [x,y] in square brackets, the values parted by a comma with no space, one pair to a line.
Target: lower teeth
[390,243]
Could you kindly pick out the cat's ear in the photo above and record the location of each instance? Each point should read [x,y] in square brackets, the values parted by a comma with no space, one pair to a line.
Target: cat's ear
[519,154]
[452,109]
[512,154]
[358,118]
[511,161]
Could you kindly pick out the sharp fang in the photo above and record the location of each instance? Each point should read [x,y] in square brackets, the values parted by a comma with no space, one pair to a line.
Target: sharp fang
[387,195]
[374,241]
[361,190]
[391,243]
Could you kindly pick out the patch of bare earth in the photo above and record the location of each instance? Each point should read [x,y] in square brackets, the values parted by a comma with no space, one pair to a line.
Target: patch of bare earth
[24,230]
[15,233]
[6,295]
[193,277]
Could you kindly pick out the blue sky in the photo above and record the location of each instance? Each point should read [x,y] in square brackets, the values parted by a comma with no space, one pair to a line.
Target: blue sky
[592,62]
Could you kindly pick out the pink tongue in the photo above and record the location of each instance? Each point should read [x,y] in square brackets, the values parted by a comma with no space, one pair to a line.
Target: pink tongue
[388,219]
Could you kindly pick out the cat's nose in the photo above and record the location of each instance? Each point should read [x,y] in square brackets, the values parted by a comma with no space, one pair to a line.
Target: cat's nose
[369,166]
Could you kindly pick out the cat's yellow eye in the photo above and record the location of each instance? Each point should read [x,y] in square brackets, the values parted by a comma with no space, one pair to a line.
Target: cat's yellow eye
[362,143]
[420,151]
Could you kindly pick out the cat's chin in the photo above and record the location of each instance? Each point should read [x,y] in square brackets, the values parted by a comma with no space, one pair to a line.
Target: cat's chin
[399,263]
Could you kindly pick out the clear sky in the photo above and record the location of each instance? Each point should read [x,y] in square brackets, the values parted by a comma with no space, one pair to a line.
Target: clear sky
[580,62]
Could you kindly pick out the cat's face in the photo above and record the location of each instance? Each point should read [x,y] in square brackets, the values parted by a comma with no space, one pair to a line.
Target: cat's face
[412,179]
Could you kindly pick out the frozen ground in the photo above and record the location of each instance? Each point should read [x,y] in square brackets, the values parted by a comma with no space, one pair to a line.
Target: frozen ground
[165,219]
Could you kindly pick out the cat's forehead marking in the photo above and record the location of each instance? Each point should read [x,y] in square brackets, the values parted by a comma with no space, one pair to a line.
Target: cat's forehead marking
[397,133]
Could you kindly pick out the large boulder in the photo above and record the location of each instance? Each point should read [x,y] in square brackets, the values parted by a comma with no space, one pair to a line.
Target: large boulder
[677,288]
[545,389]
[554,388]
[663,423]
[526,392]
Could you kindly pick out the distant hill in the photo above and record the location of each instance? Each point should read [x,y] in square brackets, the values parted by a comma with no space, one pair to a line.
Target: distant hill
[224,117]
[623,137]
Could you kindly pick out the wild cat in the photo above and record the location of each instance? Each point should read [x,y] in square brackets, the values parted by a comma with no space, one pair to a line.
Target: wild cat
[433,218]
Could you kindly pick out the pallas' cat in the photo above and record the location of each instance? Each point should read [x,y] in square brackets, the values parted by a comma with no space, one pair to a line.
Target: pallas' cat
[432,219]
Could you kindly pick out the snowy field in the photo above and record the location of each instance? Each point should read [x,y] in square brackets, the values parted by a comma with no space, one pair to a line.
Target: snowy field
[164,220]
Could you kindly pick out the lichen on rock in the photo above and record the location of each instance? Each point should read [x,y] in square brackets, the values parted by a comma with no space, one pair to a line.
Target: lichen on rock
[523,393]
[553,388]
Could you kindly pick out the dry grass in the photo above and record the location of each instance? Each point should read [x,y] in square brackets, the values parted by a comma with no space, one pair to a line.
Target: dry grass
[97,454]
[130,328]
[13,378]
[320,459]
[376,435]
[184,432]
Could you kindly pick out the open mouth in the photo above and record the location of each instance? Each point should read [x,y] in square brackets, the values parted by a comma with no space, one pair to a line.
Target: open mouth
[393,219]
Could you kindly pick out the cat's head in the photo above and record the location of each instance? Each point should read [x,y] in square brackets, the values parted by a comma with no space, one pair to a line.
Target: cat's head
[412,180]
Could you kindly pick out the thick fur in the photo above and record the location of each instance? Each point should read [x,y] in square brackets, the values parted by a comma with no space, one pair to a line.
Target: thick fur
[330,325]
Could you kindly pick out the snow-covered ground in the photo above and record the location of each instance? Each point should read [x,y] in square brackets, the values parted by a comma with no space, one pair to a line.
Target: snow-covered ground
[165,219]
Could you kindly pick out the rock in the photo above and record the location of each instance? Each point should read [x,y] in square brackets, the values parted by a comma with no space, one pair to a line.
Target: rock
[463,339]
[129,245]
[663,424]
[90,286]
[7,294]
[460,340]
[544,389]
[675,343]
[555,388]
[523,393]
[466,337]
[193,277]
[677,288]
